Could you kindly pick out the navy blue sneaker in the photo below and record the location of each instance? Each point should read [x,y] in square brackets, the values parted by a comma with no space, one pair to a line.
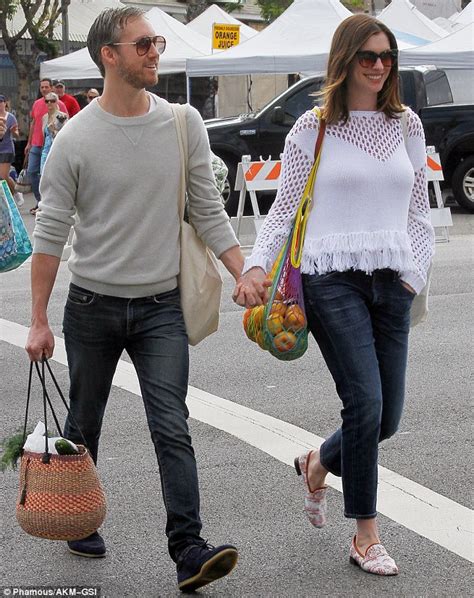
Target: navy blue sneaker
[93,546]
[200,564]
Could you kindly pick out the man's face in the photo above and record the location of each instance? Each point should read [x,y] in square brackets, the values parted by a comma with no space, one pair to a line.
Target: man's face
[138,71]
[45,88]
[59,89]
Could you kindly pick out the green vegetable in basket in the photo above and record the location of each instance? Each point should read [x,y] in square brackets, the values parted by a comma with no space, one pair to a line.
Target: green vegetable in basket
[65,447]
[11,449]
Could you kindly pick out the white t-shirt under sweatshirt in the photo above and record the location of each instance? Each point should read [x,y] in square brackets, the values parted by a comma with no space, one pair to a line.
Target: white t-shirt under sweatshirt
[370,204]
[120,176]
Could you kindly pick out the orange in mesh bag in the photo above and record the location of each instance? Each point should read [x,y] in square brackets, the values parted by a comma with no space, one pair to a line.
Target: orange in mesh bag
[280,326]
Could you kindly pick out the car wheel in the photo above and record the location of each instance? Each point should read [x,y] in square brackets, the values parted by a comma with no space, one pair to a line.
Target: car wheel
[463,183]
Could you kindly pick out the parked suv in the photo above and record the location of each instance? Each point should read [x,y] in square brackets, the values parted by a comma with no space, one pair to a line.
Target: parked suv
[448,127]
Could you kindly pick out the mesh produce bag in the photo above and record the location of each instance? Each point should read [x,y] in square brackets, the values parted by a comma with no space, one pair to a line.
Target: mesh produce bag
[280,326]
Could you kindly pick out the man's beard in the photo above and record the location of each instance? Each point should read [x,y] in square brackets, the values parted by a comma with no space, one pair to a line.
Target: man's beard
[133,79]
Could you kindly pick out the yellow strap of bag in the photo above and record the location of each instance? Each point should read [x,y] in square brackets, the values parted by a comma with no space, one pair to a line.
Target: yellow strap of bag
[302,214]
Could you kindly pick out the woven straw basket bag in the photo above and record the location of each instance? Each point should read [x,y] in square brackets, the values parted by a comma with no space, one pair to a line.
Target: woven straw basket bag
[60,496]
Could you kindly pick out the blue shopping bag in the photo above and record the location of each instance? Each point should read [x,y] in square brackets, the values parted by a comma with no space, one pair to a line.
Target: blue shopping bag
[15,246]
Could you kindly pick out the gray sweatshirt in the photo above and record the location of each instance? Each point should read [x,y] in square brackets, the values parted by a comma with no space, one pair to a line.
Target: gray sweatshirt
[120,178]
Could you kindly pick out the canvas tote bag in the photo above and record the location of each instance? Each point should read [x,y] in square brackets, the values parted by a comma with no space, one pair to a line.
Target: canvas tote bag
[419,307]
[199,281]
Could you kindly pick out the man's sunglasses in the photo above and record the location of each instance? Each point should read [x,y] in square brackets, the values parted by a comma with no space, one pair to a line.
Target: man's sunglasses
[50,101]
[368,58]
[143,45]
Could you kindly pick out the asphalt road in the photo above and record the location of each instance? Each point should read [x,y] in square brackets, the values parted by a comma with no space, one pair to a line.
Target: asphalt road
[248,497]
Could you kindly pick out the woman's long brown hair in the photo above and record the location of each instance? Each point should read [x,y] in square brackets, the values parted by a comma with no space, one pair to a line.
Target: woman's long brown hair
[347,40]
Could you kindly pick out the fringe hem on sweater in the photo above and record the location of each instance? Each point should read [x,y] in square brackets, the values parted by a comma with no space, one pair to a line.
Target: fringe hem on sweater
[358,251]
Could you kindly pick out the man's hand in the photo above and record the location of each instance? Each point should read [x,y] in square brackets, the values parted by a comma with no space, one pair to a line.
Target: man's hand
[40,342]
[27,148]
[252,288]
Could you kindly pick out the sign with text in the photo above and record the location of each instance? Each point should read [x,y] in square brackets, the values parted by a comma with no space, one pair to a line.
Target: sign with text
[225,36]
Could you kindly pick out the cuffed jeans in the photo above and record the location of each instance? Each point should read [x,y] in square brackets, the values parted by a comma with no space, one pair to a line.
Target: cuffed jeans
[361,324]
[97,329]
[34,164]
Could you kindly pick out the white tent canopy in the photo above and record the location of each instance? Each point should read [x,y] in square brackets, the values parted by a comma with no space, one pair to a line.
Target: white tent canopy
[214,14]
[298,41]
[403,16]
[465,17]
[455,51]
[181,43]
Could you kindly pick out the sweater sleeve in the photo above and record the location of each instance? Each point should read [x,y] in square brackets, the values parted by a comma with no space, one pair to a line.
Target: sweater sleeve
[56,211]
[205,209]
[298,157]
[420,230]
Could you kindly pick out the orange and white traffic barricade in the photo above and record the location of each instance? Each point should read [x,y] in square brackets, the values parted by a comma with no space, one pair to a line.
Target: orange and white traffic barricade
[253,176]
[440,216]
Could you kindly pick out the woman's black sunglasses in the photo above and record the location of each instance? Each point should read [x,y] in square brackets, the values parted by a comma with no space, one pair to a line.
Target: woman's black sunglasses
[143,45]
[368,58]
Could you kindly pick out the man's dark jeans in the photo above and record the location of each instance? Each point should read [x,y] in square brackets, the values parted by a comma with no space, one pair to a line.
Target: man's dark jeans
[361,324]
[97,328]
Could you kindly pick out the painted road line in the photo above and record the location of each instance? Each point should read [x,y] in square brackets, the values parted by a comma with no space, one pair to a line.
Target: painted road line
[417,508]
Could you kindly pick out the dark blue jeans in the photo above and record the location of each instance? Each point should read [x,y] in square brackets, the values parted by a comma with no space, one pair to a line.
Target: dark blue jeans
[361,324]
[97,329]
[34,163]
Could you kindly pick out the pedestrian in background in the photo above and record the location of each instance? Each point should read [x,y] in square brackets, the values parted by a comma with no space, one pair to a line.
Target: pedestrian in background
[8,131]
[72,105]
[368,245]
[92,93]
[34,146]
[125,263]
[53,122]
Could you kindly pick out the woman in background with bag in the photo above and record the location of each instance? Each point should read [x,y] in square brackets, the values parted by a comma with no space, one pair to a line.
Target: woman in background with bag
[53,122]
[368,246]
[9,128]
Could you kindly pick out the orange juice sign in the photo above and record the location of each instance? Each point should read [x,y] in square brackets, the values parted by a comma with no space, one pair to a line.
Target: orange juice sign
[225,36]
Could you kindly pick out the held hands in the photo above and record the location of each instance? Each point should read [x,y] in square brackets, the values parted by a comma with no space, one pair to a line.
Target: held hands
[252,288]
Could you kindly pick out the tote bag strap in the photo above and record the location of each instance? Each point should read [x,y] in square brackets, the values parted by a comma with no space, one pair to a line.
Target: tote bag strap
[179,113]
[304,208]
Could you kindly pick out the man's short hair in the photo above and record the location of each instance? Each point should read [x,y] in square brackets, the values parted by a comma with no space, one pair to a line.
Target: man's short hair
[106,29]
[50,81]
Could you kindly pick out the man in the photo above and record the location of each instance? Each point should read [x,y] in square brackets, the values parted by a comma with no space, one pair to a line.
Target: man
[35,142]
[124,264]
[92,93]
[69,101]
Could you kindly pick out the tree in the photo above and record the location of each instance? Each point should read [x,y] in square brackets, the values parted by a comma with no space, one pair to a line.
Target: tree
[40,17]
[195,8]
[271,9]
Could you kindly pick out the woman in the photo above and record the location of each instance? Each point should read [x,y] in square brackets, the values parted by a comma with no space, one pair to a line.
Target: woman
[9,126]
[53,122]
[368,246]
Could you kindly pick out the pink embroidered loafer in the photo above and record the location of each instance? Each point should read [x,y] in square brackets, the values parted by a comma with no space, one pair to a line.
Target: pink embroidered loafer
[376,559]
[315,503]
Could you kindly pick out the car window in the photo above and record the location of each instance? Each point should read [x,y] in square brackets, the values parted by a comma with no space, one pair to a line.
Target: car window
[437,87]
[301,101]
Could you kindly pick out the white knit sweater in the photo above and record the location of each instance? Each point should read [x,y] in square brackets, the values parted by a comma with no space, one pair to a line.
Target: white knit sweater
[370,204]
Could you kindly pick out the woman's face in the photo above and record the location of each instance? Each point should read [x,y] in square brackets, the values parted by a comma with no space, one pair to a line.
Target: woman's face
[369,80]
[52,105]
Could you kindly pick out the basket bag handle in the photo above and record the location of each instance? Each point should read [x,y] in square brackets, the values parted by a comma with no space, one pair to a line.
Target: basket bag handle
[304,208]
[46,399]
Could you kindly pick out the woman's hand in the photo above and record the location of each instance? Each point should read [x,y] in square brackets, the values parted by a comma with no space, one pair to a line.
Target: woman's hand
[408,287]
[252,288]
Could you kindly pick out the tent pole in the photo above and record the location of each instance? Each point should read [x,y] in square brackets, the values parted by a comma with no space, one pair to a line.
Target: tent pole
[188,89]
